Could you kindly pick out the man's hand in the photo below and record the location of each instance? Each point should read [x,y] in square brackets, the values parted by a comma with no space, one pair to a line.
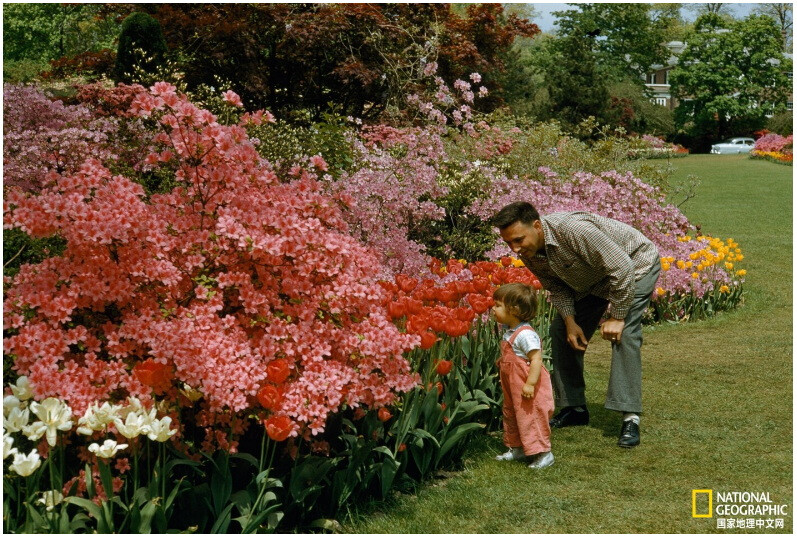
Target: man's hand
[575,335]
[612,330]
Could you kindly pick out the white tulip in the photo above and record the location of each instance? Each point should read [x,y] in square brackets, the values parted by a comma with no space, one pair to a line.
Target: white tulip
[10,403]
[159,429]
[8,446]
[16,420]
[133,425]
[22,389]
[97,418]
[108,449]
[50,499]
[25,465]
[134,406]
[35,430]
[55,414]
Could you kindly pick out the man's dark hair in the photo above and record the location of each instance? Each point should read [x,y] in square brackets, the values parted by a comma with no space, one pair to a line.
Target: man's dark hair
[520,211]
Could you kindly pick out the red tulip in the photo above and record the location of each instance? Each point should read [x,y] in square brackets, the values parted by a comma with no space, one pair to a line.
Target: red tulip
[428,340]
[154,374]
[506,261]
[439,388]
[414,307]
[481,285]
[384,414]
[457,328]
[269,397]
[402,447]
[438,322]
[278,427]
[406,283]
[396,310]
[417,324]
[465,314]
[536,284]
[444,367]
[278,370]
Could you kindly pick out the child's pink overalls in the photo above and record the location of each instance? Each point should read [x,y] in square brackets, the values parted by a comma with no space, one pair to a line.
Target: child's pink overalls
[525,420]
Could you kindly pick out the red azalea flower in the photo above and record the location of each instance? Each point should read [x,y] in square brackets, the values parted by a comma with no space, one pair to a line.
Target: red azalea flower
[278,427]
[444,367]
[269,397]
[384,414]
[278,370]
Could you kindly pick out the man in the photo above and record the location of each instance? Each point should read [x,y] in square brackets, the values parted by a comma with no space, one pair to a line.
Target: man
[588,262]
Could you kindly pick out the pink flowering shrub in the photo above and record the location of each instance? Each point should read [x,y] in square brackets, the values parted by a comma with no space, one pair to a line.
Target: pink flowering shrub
[774,143]
[392,190]
[41,135]
[235,280]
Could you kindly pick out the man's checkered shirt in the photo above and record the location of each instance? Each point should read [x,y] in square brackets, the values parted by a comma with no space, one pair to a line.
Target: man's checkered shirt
[586,254]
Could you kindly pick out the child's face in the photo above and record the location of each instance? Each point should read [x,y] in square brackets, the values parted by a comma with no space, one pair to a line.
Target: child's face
[503,315]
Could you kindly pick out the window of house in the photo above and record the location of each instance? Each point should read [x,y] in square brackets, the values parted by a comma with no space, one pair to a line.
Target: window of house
[662,101]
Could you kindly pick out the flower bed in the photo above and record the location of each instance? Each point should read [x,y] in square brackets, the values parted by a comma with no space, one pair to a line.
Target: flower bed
[774,147]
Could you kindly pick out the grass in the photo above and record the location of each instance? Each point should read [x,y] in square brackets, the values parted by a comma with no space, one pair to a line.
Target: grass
[717,395]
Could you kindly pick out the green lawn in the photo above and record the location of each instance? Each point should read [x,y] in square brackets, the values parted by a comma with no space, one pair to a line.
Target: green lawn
[718,400]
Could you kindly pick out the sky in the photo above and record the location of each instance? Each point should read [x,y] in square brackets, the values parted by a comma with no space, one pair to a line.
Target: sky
[546,20]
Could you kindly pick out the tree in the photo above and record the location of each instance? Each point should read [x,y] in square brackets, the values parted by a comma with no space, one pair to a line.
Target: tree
[295,59]
[724,85]
[38,33]
[629,38]
[783,14]
[141,46]
[575,86]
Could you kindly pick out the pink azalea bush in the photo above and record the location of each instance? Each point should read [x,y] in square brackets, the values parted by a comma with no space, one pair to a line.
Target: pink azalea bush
[774,143]
[41,135]
[232,272]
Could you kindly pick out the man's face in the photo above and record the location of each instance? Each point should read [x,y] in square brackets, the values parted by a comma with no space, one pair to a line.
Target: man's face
[524,239]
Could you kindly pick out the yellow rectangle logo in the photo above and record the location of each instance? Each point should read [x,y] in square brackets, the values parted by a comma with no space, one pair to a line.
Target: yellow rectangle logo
[710,512]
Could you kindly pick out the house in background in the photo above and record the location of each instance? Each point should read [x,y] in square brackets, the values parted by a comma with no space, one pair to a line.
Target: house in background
[658,80]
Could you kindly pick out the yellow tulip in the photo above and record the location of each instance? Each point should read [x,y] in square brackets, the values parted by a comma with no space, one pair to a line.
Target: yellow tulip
[724,289]
[741,272]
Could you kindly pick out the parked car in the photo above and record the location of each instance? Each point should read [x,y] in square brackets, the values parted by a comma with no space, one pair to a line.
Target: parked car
[733,146]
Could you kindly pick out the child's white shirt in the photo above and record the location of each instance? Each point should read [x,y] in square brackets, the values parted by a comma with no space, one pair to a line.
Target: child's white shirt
[525,342]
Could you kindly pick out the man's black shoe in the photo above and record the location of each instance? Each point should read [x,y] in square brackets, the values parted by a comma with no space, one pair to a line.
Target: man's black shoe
[569,417]
[629,434]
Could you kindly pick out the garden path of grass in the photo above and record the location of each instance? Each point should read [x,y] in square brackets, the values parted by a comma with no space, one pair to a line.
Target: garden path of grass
[718,401]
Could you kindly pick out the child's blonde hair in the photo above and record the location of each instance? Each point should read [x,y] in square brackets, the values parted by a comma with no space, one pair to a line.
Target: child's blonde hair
[520,300]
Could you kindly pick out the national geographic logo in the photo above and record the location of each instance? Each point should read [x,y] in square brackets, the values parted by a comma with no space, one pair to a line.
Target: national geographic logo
[744,509]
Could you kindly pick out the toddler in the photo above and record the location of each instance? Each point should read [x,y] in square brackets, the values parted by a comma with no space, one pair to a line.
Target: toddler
[528,396]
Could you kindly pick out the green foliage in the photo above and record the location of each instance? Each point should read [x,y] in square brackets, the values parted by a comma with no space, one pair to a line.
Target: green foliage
[576,87]
[646,116]
[20,248]
[41,32]
[284,143]
[725,86]
[782,123]
[141,46]
[632,35]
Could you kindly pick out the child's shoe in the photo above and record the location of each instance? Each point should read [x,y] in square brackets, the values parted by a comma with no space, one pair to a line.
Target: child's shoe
[543,460]
[514,454]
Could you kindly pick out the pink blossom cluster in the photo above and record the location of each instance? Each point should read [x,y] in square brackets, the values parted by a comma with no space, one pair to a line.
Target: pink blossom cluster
[393,189]
[41,135]
[443,104]
[654,141]
[774,143]
[619,196]
[232,270]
